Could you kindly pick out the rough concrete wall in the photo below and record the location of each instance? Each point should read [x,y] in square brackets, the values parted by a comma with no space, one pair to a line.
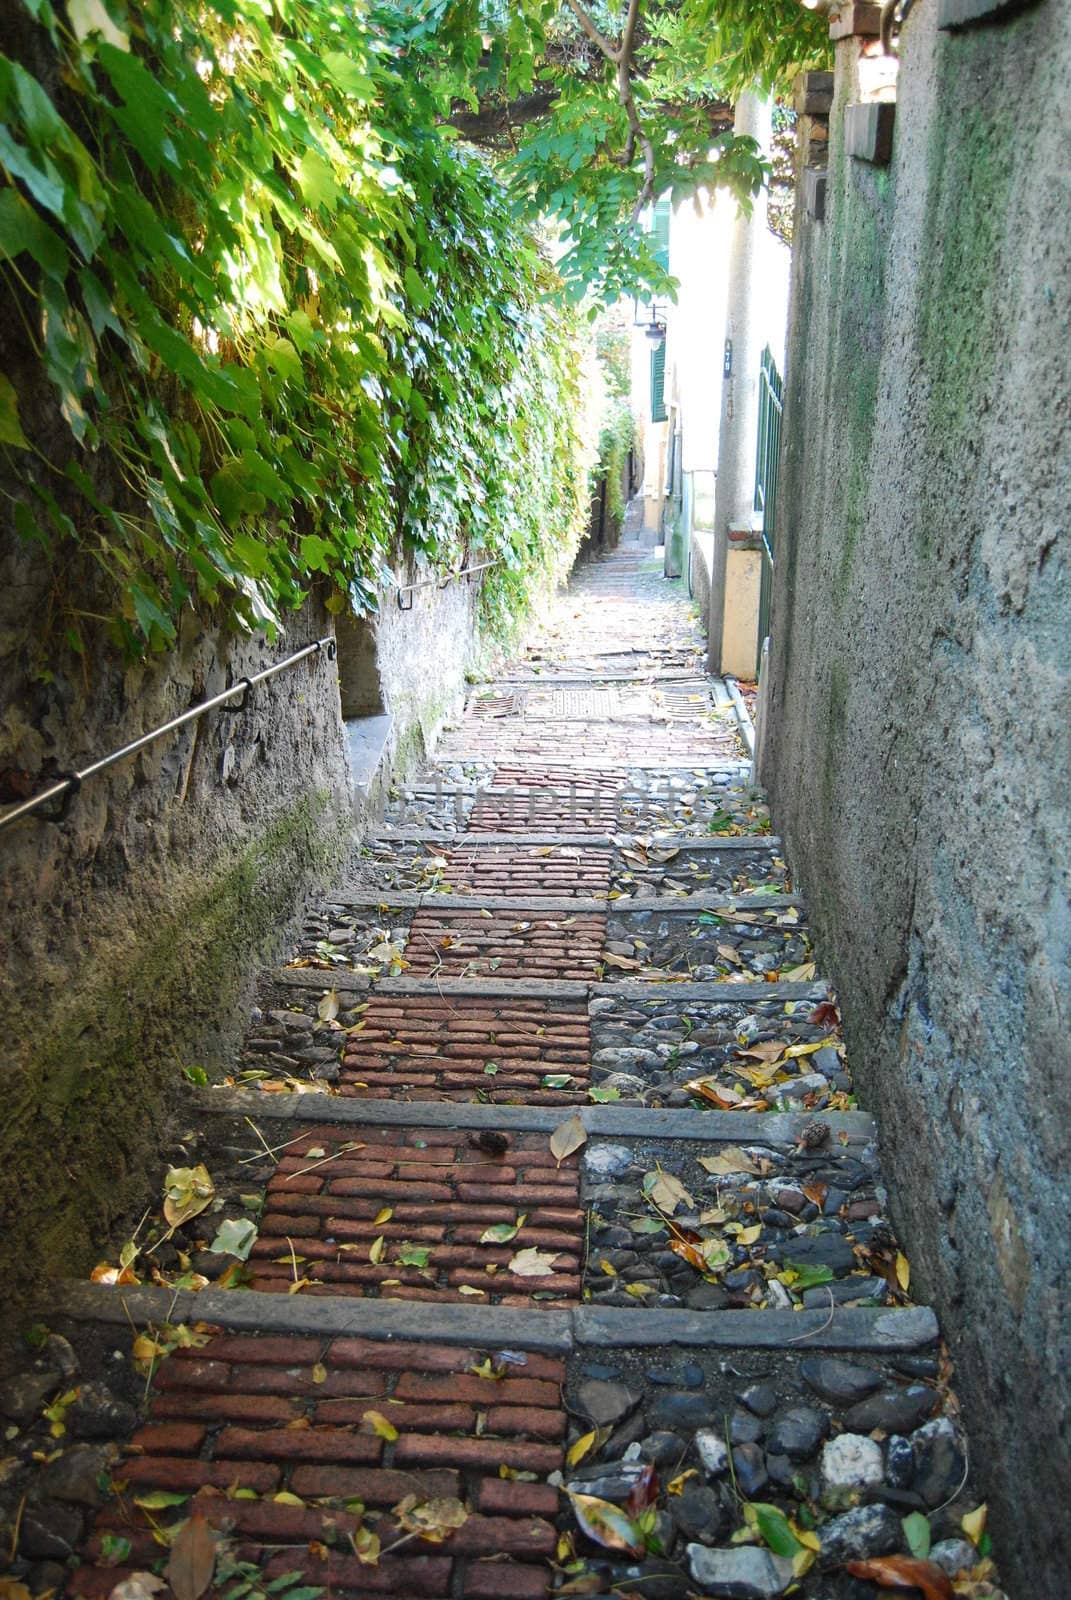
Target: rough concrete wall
[919,762]
[423,655]
[131,933]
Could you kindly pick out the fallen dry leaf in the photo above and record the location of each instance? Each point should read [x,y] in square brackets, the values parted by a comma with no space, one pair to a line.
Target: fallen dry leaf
[533,1263]
[665,1191]
[905,1572]
[606,1523]
[731,1159]
[567,1137]
[434,1520]
[187,1192]
[192,1562]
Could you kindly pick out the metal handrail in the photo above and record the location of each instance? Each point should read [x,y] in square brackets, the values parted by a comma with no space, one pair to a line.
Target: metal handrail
[441,583]
[67,787]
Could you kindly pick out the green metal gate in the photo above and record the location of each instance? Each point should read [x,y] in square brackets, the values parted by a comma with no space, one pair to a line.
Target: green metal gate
[767,460]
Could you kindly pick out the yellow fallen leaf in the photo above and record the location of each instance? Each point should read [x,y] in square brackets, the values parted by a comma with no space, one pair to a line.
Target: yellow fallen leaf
[795,1050]
[319,1373]
[285,1498]
[365,1546]
[376,1249]
[585,1444]
[973,1524]
[382,1216]
[380,1426]
[903,1270]
[749,1235]
[468,1288]
[676,1485]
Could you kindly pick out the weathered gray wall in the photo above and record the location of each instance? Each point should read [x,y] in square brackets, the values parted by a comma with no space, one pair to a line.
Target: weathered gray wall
[423,655]
[919,759]
[131,933]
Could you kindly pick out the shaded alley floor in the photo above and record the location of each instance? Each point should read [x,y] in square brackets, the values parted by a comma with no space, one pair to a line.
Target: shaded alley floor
[569,1263]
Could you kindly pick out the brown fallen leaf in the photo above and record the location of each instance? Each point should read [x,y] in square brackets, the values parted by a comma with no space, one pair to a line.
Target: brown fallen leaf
[192,1562]
[567,1137]
[769,1050]
[905,1572]
[731,1159]
[606,1523]
[433,1520]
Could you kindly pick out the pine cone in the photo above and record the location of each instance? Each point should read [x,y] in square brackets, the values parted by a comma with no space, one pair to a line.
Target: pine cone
[814,1134]
[495,1144]
[882,1237]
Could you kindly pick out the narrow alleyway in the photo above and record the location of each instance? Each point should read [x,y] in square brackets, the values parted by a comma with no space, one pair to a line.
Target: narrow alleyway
[548,1136]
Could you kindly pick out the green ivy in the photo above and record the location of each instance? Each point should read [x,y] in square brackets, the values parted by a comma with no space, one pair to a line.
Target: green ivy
[292,329]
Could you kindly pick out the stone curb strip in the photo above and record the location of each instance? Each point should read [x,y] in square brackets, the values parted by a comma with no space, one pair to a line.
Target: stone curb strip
[670,904]
[491,1327]
[578,841]
[615,1122]
[324,978]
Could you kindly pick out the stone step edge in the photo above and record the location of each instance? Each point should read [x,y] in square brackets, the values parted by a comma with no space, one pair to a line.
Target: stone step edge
[324,978]
[595,681]
[699,763]
[579,841]
[414,899]
[600,1121]
[557,1332]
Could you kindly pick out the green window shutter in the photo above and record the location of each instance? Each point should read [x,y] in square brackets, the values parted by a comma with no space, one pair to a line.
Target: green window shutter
[660,215]
[658,382]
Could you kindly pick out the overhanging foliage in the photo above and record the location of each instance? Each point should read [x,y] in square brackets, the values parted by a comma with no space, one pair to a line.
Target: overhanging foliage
[290,325]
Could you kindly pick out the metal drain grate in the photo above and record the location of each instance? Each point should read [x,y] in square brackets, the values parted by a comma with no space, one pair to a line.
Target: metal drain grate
[683,702]
[575,705]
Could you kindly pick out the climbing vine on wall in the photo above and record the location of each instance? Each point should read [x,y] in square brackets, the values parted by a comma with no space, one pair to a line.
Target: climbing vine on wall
[269,321]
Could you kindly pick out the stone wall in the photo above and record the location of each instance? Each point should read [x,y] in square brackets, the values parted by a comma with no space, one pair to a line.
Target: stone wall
[131,933]
[920,697]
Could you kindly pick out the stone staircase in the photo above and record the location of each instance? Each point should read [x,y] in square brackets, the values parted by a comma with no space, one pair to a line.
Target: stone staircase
[566,1217]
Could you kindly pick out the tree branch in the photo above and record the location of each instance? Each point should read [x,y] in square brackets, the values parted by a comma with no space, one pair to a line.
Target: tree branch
[593,33]
[492,122]
[622,59]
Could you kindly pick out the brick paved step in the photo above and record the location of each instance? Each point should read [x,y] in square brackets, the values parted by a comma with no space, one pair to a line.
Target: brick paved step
[277,1442]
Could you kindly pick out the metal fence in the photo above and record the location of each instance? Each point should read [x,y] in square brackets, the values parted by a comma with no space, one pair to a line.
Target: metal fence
[767,459]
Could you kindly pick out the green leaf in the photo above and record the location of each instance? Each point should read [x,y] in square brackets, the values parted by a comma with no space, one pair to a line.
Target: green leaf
[235,1237]
[411,1255]
[21,228]
[809,1277]
[10,427]
[502,1232]
[317,179]
[773,1528]
[160,1499]
[917,1533]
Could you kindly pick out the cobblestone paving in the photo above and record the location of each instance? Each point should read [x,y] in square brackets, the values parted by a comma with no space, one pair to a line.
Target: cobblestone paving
[557,1074]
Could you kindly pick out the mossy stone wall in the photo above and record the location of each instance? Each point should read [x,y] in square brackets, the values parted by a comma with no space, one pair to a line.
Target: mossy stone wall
[920,698]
